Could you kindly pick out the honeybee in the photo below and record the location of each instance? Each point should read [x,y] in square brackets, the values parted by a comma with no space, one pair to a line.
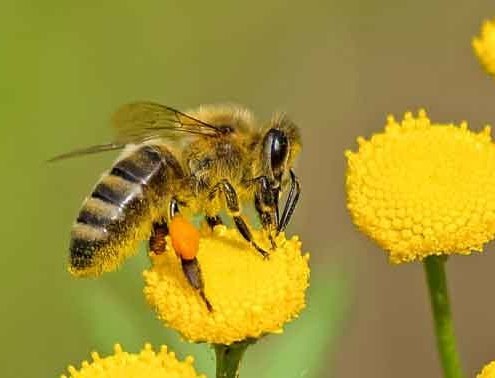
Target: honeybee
[212,159]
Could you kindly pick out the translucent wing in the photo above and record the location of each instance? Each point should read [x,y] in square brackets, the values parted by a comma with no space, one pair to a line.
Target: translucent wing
[88,151]
[145,120]
[140,121]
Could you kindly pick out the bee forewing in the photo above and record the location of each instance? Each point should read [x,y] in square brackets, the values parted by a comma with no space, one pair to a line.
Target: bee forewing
[139,121]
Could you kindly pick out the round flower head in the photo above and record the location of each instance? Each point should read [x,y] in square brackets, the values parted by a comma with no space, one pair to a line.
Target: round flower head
[250,296]
[421,189]
[488,371]
[484,46]
[146,364]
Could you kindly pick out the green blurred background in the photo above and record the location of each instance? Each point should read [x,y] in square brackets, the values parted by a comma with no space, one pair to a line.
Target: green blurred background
[337,67]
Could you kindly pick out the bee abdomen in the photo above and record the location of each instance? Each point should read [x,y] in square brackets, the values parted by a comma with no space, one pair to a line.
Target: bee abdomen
[118,212]
[139,167]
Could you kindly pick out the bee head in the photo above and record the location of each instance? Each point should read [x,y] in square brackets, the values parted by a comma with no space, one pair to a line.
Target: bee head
[281,145]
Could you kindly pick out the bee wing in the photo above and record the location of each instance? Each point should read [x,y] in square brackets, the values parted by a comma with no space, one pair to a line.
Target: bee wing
[138,122]
[88,151]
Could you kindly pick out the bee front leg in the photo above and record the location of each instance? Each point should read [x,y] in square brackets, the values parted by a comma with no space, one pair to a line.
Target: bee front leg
[267,220]
[290,205]
[232,201]
[266,204]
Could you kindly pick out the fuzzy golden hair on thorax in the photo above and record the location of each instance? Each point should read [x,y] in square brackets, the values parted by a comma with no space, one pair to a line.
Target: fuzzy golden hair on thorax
[226,115]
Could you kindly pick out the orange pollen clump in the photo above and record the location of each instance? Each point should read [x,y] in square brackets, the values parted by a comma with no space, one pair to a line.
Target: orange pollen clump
[185,237]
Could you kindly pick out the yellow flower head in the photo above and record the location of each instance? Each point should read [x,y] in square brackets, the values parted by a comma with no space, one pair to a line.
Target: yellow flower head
[488,371]
[146,364]
[250,296]
[484,46]
[421,189]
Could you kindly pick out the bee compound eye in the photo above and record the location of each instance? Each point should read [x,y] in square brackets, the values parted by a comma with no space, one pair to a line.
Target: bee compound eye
[279,150]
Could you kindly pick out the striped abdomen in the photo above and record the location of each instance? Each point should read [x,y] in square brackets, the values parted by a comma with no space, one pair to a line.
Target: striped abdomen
[120,210]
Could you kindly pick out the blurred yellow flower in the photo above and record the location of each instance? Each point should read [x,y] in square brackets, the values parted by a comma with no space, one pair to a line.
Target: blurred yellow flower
[421,189]
[488,371]
[250,296]
[146,364]
[484,46]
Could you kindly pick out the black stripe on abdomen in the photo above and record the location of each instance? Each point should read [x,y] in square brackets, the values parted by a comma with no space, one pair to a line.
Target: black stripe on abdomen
[139,166]
[128,171]
[109,194]
[93,218]
[151,153]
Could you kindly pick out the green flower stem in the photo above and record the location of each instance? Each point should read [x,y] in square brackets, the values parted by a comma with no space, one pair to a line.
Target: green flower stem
[229,358]
[444,327]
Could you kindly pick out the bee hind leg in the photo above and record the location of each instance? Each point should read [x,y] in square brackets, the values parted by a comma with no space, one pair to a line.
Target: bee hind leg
[213,221]
[232,201]
[192,271]
[191,267]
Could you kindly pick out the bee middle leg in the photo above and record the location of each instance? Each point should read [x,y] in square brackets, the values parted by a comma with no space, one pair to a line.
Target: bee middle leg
[232,201]
[190,267]
[213,220]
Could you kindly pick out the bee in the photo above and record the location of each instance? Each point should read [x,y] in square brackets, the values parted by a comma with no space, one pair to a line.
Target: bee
[212,159]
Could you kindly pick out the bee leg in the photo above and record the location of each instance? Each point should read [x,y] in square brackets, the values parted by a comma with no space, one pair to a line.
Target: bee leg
[266,219]
[266,204]
[233,206]
[191,268]
[246,234]
[290,204]
[157,243]
[192,271]
[213,221]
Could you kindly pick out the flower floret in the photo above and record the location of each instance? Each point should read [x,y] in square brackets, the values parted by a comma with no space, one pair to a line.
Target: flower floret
[146,364]
[488,371]
[250,296]
[420,189]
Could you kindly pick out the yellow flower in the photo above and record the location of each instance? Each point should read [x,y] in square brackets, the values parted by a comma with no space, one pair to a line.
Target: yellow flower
[488,371]
[146,364]
[421,189]
[250,296]
[484,46]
